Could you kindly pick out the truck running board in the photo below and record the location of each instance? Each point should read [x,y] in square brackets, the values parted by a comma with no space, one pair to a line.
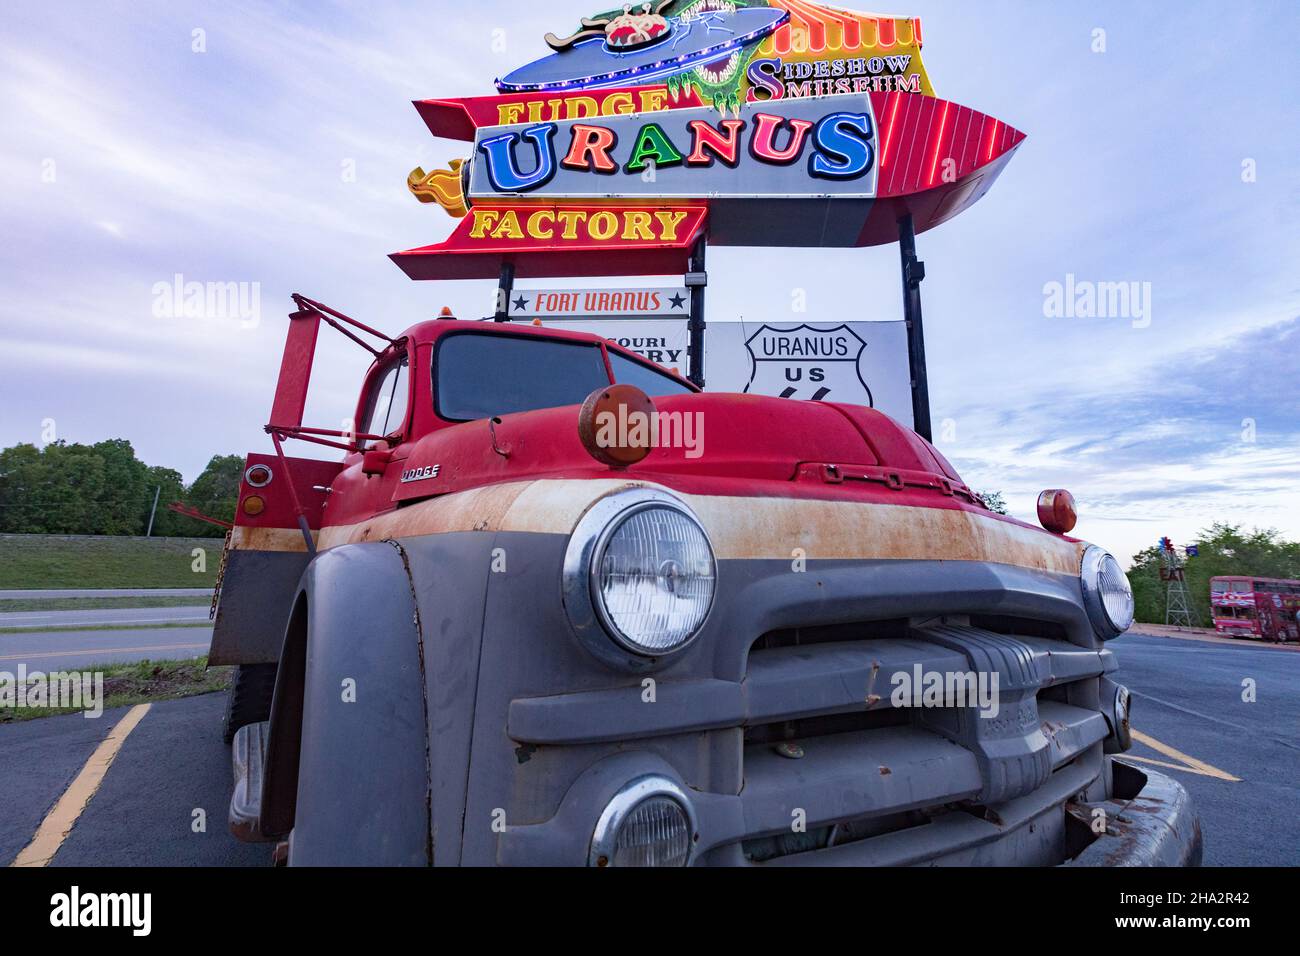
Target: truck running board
[247,754]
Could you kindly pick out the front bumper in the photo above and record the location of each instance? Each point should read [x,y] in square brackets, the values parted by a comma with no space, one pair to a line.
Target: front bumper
[1156,827]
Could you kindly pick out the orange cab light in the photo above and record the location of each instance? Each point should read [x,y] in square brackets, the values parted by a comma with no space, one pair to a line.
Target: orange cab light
[1057,511]
[446,313]
[254,505]
[613,425]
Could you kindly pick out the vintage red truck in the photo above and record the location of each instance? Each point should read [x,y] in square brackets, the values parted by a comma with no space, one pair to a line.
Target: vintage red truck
[478,638]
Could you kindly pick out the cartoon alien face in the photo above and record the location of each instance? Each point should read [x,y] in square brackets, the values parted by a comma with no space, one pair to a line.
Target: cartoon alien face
[629,30]
[690,24]
[721,72]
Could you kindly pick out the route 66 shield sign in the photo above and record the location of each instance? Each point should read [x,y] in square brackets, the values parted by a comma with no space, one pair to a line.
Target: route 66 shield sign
[820,364]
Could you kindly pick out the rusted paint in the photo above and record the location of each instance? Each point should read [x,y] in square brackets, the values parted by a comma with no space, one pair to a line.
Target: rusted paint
[774,527]
[268,539]
[740,528]
[482,509]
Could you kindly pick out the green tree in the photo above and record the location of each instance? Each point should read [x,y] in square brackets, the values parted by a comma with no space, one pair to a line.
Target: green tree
[216,491]
[994,500]
[171,487]
[122,505]
[54,490]
[1222,550]
[104,489]
[23,471]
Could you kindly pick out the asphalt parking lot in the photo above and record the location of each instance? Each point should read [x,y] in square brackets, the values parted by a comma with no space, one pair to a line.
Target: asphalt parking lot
[1238,758]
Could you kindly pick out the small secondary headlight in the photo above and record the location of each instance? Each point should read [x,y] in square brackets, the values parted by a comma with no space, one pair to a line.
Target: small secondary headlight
[647,823]
[640,570]
[1116,707]
[1106,593]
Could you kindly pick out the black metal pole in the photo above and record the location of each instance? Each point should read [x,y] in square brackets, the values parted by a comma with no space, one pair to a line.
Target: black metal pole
[913,273]
[505,286]
[696,280]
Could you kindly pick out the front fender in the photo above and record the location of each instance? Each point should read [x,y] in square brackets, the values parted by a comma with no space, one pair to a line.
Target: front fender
[348,754]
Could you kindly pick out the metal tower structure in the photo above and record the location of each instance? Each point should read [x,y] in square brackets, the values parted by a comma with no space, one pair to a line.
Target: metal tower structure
[1178,610]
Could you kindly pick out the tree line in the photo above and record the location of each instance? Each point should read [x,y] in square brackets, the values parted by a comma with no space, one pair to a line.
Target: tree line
[1222,550]
[103,488]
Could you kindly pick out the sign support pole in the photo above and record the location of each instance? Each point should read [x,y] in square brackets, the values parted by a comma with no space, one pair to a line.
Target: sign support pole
[696,279]
[913,273]
[505,286]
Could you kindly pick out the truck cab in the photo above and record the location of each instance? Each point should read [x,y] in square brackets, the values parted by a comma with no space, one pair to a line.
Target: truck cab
[512,626]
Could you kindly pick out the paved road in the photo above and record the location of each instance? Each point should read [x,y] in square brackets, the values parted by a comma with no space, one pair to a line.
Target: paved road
[1188,694]
[116,615]
[1188,698]
[79,650]
[107,592]
[172,764]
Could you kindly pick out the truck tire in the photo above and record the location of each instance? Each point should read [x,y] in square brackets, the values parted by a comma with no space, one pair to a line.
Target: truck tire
[249,699]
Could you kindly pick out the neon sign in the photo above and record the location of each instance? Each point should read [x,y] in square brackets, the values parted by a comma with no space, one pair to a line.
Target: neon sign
[785,150]
[752,122]
[731,52]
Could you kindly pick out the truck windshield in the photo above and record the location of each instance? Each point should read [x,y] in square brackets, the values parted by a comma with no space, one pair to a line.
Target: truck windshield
[479,376]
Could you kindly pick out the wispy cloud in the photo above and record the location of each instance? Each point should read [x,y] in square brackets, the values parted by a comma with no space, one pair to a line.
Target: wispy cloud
[277,155]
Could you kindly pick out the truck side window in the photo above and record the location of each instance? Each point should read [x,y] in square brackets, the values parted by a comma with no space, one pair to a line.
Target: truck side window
[386,406]
[654,383]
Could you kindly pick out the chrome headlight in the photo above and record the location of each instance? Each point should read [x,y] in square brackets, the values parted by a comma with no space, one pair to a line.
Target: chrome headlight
[639,577]
[648,823]
[1106,593]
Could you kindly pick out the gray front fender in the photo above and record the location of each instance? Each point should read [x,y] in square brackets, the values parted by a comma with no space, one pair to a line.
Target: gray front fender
[348,757]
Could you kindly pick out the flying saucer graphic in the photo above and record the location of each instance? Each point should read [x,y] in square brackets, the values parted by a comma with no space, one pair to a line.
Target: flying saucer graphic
[669,46]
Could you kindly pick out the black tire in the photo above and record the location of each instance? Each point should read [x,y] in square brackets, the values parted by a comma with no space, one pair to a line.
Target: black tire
[249,699]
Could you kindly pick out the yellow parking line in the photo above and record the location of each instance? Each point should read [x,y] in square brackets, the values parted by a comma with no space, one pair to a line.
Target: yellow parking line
[58,823]
[1189,764]
[100,650]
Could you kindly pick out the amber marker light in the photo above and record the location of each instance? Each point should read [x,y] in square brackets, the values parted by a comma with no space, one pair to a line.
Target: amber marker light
[614,425]
[254,505]
[1056,511]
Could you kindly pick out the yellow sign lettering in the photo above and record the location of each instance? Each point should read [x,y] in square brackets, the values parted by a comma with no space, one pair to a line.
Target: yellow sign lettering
[484,219]
[535,224]
[602,226]
[508,228]
[669,223]
[571,218]
[636,225]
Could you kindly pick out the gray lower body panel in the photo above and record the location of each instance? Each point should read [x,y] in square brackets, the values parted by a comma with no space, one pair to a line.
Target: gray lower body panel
[257,592]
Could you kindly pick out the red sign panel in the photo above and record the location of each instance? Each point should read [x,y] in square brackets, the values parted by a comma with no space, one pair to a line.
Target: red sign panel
[561,239]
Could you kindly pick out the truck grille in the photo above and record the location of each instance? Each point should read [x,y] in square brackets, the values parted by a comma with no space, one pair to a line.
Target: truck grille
[855,767]
[804,754]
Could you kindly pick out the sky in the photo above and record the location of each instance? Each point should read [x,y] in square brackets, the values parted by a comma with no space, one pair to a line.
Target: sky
[268,145]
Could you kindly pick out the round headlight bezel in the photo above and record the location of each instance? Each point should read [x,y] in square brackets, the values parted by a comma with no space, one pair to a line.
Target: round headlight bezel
[581,578]
[604,837]
[1094,559]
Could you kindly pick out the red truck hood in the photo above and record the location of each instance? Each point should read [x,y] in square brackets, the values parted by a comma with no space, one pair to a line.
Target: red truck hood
[711,435]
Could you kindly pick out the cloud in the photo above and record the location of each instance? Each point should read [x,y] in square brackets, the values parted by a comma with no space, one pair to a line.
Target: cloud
[279,156]
[1207,433]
